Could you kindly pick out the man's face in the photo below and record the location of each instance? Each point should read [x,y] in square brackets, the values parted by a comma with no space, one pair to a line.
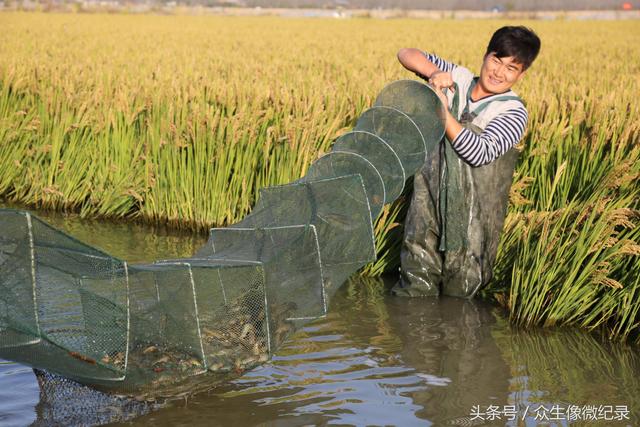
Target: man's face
[499,74]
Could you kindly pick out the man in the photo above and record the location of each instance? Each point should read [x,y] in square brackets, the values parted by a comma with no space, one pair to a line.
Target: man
[460,196]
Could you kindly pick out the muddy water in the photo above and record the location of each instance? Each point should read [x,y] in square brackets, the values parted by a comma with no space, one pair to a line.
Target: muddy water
[374,360]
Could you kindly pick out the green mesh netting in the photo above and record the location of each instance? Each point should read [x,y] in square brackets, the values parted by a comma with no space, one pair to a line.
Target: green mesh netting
[76,311]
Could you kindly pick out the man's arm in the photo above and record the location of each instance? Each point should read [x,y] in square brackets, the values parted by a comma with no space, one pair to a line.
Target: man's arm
[452,127]
[422,63]
[415,60]
[439,77]
[501,133]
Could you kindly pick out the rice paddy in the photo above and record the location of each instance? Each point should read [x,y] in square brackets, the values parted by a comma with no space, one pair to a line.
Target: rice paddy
[182,119]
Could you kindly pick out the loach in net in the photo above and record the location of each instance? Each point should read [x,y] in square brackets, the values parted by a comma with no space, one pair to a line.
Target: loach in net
[155,329]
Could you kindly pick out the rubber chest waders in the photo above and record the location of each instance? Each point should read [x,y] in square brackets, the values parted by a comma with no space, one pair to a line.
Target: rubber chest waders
[456,216]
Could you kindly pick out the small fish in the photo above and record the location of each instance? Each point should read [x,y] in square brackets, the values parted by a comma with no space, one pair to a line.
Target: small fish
[213,334]
[220,353]
[248,361]
[191,362]
[257,349]
[163,359]
[82,357]
[118,358]
[149,349]
[216,366]
[283,329]
[246,330]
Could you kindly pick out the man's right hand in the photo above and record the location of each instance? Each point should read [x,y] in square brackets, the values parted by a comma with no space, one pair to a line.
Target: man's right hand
[440,80]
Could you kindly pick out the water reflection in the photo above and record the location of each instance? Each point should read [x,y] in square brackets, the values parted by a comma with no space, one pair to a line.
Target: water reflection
[129,241]
[567,367]
[389,361]
[451,338]
[18,394]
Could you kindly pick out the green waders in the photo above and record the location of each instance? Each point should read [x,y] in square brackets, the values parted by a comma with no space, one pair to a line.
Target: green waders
[455,218]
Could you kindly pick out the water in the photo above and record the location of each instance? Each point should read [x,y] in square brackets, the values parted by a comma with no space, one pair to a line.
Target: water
[374,360]
[129,241]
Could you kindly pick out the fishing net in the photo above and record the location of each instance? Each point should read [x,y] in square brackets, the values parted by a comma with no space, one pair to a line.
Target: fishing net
[150,329]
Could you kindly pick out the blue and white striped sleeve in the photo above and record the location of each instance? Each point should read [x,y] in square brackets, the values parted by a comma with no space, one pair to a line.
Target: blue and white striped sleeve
[502,133]
[443,65]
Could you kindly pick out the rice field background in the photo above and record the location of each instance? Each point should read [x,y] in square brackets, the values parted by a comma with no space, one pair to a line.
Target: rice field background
[182,119]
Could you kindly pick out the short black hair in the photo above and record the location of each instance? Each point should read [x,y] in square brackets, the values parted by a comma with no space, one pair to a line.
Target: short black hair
[520,42]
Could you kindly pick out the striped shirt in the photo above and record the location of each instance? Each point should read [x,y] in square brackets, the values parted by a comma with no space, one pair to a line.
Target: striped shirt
[502,131]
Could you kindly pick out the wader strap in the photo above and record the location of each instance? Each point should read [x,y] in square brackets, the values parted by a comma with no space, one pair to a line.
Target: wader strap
[442,197]
[466,118]
[479,109]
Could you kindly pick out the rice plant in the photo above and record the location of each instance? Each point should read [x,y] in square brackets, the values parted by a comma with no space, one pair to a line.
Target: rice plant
[181,120]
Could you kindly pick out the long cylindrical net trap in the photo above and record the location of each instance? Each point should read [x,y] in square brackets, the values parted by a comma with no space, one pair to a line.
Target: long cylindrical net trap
[75,311]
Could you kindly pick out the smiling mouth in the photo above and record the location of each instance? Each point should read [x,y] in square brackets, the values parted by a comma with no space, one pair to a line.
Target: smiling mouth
[494,81]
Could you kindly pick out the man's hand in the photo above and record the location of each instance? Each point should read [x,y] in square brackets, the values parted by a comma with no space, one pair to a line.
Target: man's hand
[440,80]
